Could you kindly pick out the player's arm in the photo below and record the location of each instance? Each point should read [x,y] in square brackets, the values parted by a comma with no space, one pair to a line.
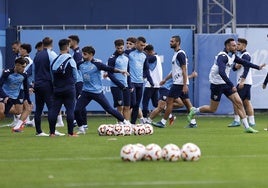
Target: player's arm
[3,78]
[265,82]
[111,62]
[222,60]
[26,88]
[146,72]
[169,76]
[182,63]
[246,63]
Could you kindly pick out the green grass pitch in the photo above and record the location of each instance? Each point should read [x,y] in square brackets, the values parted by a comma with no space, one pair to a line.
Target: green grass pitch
[230,157]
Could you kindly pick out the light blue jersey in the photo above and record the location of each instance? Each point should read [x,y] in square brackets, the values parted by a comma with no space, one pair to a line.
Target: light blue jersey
[91,74]
[11,83]
[119,61]
[136,65]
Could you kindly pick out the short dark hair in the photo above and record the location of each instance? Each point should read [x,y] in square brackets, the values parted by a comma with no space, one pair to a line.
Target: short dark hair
[21,61]
[26,47]
[47,41]
[63,44]
[89,50]
[149,47]
[132,39]
[228,41]
[119,42]
[177,38]
[142,39]
[74,37]
[38,44]
[16,42]
[243,41]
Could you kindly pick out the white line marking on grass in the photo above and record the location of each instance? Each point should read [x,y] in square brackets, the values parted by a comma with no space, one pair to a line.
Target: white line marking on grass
[60,159]
[140,183]
[116,158]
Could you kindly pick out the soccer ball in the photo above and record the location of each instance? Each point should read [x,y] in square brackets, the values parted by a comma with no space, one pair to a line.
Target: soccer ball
[139,129]
[190,152]
[110,130]
[119,130]
[149,129]
[130,152]
[171,152]
[153,152]
[102,130]
[141,150]
[127,130]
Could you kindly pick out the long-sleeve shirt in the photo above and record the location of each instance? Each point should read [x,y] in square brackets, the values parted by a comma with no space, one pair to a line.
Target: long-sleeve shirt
[66,81]
[91,74]
[41,68]
[11,84]
[219,73]
[119,61]
[138,67]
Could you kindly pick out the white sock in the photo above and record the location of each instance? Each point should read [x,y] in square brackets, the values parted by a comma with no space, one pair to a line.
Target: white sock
[16,117]
[251,120]
[164,121]
[193,121]
[236,118]
[245,122]
[126,121]
[59,119]
[18,124]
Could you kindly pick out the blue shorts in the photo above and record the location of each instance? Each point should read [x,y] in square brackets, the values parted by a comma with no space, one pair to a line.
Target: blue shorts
[244,93]
[218,90]
[120,97]
[163,93]
[176,92]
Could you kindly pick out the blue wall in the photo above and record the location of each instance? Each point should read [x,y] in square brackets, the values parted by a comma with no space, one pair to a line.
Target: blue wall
[102,41]
[94,12]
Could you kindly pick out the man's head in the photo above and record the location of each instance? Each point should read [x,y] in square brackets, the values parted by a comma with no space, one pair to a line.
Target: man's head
[149,49]
[20,64]
[74,41]
[119,46]
[47,42]
[241,44]
[141,43]
[25,49]
[230,45]
[88,52]
[64,45]
[175,42]
[15,46]
[131,43]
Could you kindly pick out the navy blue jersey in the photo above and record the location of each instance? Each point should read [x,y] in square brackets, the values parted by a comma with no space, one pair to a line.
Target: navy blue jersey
[41,67]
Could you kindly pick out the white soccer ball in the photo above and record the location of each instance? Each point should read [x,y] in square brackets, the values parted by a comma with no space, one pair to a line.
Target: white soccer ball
[190,152]
[110,130]
[130,152]
[171,152]
[127,130]
[119,130]
[139,129]
[149,130]
[153,152]
[141,150]
[102,130]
